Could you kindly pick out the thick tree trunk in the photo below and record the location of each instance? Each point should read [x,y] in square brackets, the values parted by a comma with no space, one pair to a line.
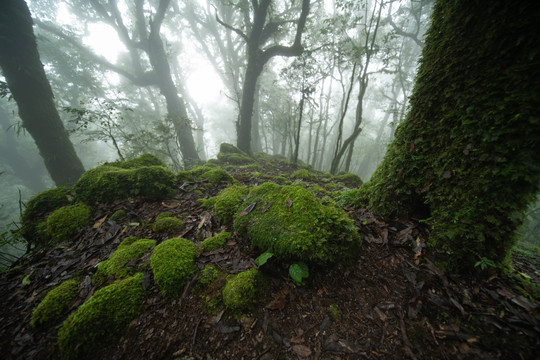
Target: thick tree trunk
[26,79]
[468,150]
[243,129]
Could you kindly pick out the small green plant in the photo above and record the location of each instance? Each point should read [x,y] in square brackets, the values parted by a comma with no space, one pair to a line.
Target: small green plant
[484,263]
[263,258]
[299,272]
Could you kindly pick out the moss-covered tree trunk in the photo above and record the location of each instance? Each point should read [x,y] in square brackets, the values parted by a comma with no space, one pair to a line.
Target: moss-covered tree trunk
[469,148]
[26,79]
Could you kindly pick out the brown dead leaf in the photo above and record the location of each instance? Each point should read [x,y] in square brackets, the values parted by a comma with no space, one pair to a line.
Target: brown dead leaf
[170,206]
[203,220]
[265,209]
[248,209]
[289,202]
[279,301]
[301,350]
[100,222]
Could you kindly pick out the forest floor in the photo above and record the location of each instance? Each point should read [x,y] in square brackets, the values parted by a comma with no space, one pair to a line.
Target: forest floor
[391,303]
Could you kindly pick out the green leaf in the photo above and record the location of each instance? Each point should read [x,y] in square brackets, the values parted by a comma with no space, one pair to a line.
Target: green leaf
[298,272]
[263,258]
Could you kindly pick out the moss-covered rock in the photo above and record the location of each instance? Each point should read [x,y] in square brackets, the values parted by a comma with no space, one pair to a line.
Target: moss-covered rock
[115,265]
[141,161]
[242,291]
[101,319]
[55,303]
[290,222]
[351,180]
[227,202]
[304,174]
[168,225]
[214,242]
[122,180]
[173,264]
[36,211]
[230,154]
[63,223]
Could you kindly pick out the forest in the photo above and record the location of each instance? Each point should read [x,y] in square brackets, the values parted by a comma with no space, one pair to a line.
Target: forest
[269,179]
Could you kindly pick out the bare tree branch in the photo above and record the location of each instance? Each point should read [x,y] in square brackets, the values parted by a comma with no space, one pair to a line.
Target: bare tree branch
[227,26]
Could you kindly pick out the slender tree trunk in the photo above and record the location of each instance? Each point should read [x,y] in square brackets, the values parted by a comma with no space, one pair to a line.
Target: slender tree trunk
[26,79]
[297,136]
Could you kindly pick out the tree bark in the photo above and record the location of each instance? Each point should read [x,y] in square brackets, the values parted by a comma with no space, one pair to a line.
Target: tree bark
[26,79]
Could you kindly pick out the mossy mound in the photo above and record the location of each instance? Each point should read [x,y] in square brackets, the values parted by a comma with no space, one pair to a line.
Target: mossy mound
[101,319]
[63,223]
[207,276]
[55,303]
[351,180]
[227,202]
[304,174]
[121,180]
[230,154]
[173,264]
[118,215]
[214,242]
[115,265]
[242,291]
[36,211]
[292,223]
[168,225]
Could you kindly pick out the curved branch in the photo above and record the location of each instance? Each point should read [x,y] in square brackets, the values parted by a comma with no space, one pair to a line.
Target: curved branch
[227,26]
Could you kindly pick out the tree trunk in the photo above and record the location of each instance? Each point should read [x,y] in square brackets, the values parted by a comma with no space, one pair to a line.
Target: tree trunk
[26,79]
[467,154]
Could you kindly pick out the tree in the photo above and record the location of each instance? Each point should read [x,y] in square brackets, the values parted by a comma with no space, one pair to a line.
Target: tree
[260,32]
[27,82]
[467,155]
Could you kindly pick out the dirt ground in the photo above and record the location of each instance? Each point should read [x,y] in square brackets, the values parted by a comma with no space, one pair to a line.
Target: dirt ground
[391,303]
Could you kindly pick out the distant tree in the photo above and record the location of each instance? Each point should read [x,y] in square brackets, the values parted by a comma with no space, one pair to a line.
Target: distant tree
[468,153]
[26,79]
[260,32]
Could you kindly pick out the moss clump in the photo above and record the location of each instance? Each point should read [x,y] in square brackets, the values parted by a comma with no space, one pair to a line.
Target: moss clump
[118,215]
[119,180]
[63,223]
[173,264]
[304,174]
[348,179]
[168,225]
[115,265]
[214,242]
[36,211]
[141,161]
[217,176]
[242,291]
[55,303]
[232,155]
[227,202]
[101,319]
[164,214]
[208,275]
[296,225]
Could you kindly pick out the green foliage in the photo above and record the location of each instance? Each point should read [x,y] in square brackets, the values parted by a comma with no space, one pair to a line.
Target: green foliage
[243,290]
[118,215]
[292,223]
[214,242]
[228,201]
[263,258]
[115,265]
[468,150]
[173,264]
[63,223]
[484,263]
[299,272]
[101,319]
[168,225]
[122,180]
[304,174]
[55,303]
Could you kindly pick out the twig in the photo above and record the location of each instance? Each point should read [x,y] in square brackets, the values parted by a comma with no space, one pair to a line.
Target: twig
[195,332]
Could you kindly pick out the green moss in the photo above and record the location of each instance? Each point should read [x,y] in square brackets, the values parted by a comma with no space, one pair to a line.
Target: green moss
[304,174]
[214,242]
[168,225]
[127,241]
[118,215]
[173,264]
[141,161]
[333,309]
[55,303]
[102,319]
[242,291]
[63,223]
[232,155]
[227,202]
[296,225]
[36,211]
[208,275]
[348,179]
[111,182]
[164,214]
[217,175]
[115,265]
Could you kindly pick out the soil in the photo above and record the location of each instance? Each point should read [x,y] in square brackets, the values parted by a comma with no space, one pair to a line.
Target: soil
[393,302]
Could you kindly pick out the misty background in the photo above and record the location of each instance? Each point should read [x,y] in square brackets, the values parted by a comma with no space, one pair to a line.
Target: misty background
[335,107]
